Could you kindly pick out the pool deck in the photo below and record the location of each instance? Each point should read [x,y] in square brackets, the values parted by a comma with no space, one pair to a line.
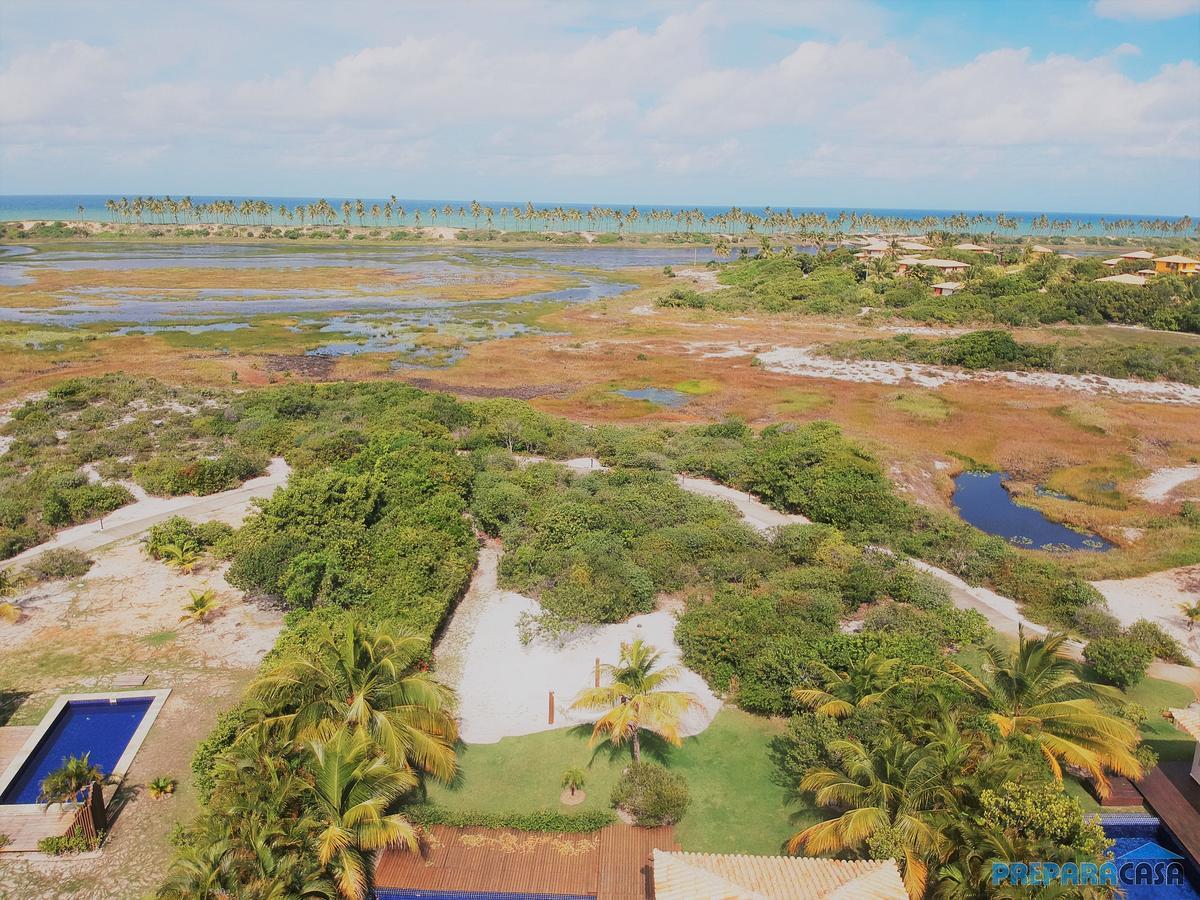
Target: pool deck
[1175,798]
[12,739]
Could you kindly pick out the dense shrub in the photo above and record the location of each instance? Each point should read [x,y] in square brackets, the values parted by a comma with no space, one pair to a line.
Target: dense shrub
[1160,644]
[179,530]
[169,476]
[650,794]
[69,844]
[1120,661]
[229,724]
[1093,622]
[60,562]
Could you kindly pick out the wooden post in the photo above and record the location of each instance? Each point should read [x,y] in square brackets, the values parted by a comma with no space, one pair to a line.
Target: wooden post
[597,671]
[551,719]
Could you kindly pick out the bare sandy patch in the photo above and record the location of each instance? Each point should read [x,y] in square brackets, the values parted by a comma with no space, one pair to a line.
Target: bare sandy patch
[1157,597]
[505,686]
[804,362]
[1161,485]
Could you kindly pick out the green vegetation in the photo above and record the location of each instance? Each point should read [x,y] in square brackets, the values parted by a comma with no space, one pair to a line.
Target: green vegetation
[73,778]
[651,795]
[1119,661]
[997,350]
[58,562]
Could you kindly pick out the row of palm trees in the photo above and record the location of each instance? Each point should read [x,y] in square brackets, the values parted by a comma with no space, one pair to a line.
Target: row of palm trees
[311,788]
[734,220]
[918,786]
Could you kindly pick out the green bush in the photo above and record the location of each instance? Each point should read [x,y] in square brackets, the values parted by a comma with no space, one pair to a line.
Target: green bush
[168,476]
[229,724]
[1160,644]
[1119,661]
[179,530]
[61,562]
[536,820]
[63,845]
[1093,622]
[651,795]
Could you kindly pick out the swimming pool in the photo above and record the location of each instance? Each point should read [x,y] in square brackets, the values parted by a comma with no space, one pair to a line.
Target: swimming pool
[1136,837]
[108,727]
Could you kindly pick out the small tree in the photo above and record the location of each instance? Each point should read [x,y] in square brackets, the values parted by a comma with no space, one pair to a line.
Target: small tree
[1191,612]
[162,786]
[573,779]
[1119,661]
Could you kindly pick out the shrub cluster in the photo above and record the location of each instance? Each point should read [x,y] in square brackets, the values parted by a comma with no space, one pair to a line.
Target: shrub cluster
[652,795]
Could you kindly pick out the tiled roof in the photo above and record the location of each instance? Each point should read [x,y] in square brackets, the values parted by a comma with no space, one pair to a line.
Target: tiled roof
[1188,719]
[1135,280]
[1176,259]
[712,876]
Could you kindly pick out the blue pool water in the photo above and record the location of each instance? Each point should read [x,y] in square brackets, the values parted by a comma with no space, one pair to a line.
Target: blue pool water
[1132,836]
[100,727]
[982,500]
[657,396]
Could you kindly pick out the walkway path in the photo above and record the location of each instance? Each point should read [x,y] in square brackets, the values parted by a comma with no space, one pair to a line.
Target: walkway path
[1002,613]
[139,516]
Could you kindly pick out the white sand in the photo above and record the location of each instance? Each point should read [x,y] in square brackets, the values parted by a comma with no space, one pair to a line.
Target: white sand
[134,518]
[504,687]
[1157,487]
[1157,597]
[806,363]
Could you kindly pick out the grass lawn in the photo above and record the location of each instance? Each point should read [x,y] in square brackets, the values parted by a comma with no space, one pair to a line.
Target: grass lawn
[736,806]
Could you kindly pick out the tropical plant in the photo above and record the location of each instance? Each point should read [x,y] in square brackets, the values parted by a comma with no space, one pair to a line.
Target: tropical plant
[890,790]
[370,680]
[573,779]
[864,683]
[202,605]
[161,786]
[1191,612]
[651,795]
[182,555]
[1036,692]
[75,776]
[352,789]
[635,700]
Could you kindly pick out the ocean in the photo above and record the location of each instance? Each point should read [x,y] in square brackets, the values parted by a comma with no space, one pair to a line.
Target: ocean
[91,207]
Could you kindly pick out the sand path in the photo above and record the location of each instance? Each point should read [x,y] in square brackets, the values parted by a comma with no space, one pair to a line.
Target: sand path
[1158,486]
[504,686]
[136,517]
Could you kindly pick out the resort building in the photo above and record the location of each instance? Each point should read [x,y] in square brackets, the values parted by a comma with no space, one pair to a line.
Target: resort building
[1137,254]
[946,288]
[700,876]
[944,266]
[1125,278]
[1176,265]
[972,248]
[916,246]
[873,250]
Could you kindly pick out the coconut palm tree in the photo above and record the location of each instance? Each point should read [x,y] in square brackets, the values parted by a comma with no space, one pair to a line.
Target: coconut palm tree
[367,679]
[278,862]
[1037,692]
[202,605]
[635,700]
[352,789]
[864,683]
[203,870]
[182,555]
[1191,612]
[573,779]
[74,777]
[891,789]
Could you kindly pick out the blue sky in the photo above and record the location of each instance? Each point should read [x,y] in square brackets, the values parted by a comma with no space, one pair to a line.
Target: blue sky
[1072,105]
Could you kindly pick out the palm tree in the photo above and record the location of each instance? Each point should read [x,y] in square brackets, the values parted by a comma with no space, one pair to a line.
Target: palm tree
[573,779]
[182,555]
[203,870]
[891,789]
[352,788]
[864,683]
[278,862]
[1191,612]
[635,701]
[202,605]
[75,776]
[1038,693]
[367,680]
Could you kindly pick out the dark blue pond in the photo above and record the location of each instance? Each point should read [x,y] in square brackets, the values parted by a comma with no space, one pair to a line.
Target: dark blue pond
[982,500]
[102,728]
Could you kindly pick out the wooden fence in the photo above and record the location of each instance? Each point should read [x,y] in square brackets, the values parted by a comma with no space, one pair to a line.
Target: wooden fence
[91,819]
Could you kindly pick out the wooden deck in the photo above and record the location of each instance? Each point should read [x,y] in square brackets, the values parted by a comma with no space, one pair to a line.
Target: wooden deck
[611,864]
[12,739]
[1175,798]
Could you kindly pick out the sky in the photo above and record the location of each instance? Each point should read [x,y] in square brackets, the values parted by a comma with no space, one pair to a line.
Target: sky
[1053,105]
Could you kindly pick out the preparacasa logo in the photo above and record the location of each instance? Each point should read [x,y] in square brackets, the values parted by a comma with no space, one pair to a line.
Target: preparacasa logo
[1149,864]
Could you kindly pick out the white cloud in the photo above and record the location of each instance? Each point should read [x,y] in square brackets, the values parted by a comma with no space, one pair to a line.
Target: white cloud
[1152,10]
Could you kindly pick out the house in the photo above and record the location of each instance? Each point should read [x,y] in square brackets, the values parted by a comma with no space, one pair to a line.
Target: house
[1138,254]
[1176,265]
[913,245]
[716,876]
[873,250]
[972,248]
[1115,261]
[946,288]
[944,266]
[1132,280]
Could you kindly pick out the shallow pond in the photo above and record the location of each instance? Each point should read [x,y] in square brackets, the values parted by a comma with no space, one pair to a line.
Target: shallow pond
[982,500]
[657,396]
